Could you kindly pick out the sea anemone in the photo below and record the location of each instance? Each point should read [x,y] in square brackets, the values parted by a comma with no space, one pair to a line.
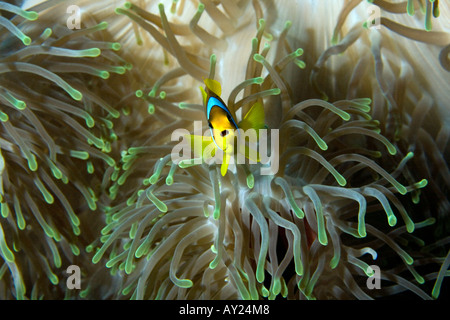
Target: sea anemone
[362,182]
[56,133]
[301,232]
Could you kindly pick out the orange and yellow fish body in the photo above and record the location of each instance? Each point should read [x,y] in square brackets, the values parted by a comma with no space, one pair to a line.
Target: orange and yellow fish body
[220,119]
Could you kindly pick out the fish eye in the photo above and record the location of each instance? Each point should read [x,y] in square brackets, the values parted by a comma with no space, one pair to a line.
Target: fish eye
[224,133]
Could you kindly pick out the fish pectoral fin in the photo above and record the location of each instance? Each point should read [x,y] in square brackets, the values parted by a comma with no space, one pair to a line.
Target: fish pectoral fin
[254,119]
[209,151]
[214,86]
[206,144]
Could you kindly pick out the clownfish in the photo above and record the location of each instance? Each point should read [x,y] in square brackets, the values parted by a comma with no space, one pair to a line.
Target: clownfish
[222,121]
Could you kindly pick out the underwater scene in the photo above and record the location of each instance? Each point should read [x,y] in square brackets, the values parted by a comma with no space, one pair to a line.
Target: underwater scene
[225,150]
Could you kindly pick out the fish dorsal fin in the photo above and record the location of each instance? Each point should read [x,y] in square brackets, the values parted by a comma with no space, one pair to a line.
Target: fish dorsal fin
[254,119]
[204,95]
[214,86]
